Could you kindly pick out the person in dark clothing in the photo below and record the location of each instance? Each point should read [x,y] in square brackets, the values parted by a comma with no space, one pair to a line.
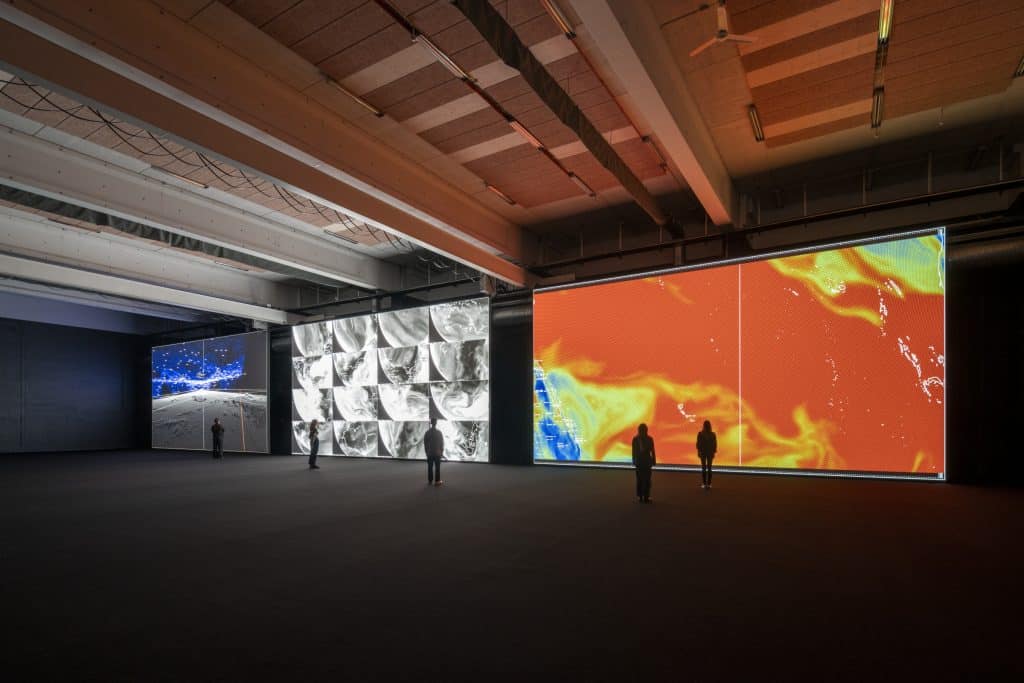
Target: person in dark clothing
[314,443]
[218,438]
[643,461]
[433,444]
[707,446]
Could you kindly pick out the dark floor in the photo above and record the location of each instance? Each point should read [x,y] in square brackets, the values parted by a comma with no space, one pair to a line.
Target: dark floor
[153,566]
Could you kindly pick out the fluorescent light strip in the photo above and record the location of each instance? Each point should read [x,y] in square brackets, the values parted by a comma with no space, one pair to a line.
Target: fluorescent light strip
[351,95]
[582,185]
[755,123]
[504,197]
[877,107]
[440,56]
[556,13]
[885,21]
[530,137]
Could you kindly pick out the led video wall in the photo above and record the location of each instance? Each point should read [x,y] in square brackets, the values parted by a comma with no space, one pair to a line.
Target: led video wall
[373,382]
[195,382]
[829,361]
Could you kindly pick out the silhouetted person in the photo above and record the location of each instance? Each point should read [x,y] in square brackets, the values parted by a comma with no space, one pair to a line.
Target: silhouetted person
[433,444]
[707,446]
[643,461]
[218,437]
[314,443]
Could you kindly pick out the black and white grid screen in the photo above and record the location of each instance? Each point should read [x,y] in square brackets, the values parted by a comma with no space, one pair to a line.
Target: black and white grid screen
[373,382]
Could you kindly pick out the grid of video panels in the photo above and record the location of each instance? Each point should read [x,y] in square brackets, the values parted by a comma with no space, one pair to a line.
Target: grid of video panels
[373,382]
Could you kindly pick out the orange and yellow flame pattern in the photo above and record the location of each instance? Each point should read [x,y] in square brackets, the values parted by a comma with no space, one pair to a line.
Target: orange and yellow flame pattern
[827,361]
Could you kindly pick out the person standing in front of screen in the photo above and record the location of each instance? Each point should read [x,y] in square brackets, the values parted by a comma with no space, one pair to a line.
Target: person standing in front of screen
[218,437]
[707,446]
[314,443]
[433,444]
[643,461]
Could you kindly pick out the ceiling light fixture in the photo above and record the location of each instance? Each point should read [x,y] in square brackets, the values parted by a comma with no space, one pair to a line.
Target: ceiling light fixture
[504,197]
[1020,69]
[877,107]
[188,180]
[755,123]
[530,137]
[559,17]
[440,56]
[352,96]
[885,21]
[582,185]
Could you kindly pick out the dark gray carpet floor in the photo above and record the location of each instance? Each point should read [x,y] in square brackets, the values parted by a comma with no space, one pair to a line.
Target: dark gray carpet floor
[153,566]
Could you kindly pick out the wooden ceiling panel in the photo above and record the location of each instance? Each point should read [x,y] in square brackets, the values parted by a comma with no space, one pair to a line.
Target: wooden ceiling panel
[953,85]
[416,83]
[461,36]
[539,194]
[466,124]
[429,100]
[963,42]
[529,168]
[866,24]
[537,30]
[183,9]
[910,10]
[474,137]
[553,133]
[521,105]
[942,97]
[366,52]
[831,93]
[849,68]
[78,127]
[986,66]
[508,89]
[606,116]
[819,130]
[307,17]
[259,12]
[475,56]
[505,157]
[336,36]
[942,58]
[957,19]
[519,11]
[749,15]
[536,116]
[435,18]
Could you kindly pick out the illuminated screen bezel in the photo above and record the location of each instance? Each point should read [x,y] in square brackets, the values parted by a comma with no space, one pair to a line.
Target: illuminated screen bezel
[855,474]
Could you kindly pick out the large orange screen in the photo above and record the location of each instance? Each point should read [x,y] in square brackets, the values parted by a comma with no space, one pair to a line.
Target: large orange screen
[827,361]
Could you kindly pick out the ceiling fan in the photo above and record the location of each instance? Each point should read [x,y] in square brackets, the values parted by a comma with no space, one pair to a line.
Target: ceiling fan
[722,34]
